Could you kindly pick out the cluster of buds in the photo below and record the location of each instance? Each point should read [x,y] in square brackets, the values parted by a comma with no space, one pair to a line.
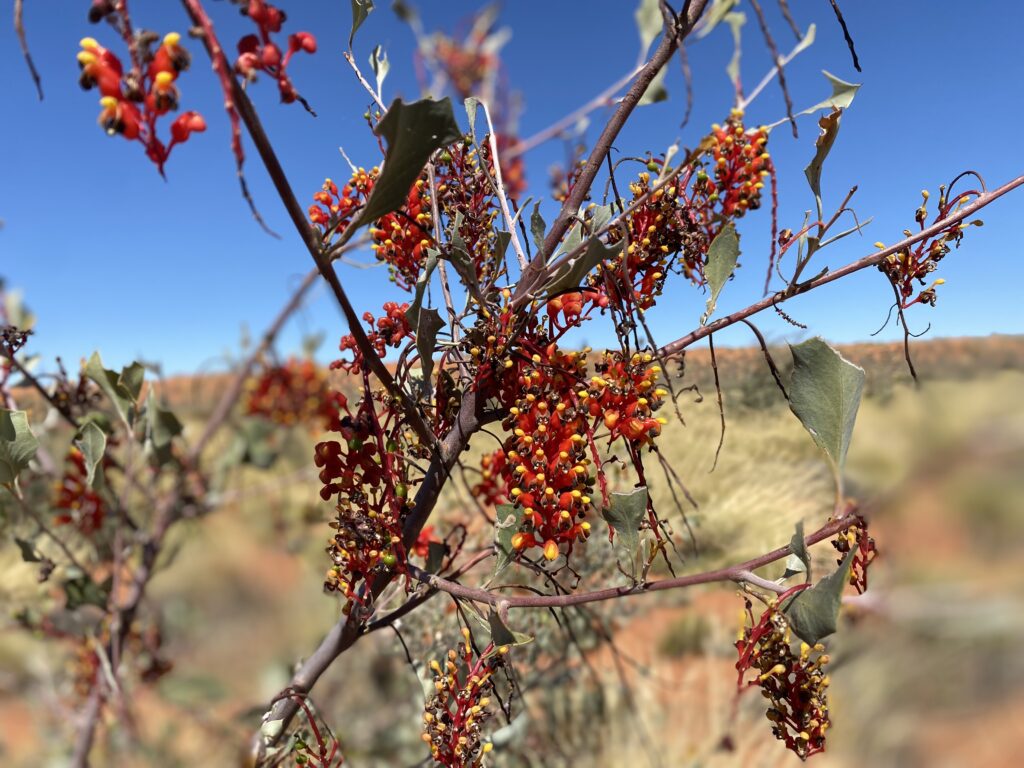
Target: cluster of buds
[294,393]
[856,538]
[366,476]
[81,506]
[333,209]
[259,53]
[389,330]
[740,164]
[915,263]
[491,489]
[401,239]
[454,716]
[663,235]
[467,66]
[545,467]
[569,309]
[464,195]
[794,684]
[132,102]
[625,395]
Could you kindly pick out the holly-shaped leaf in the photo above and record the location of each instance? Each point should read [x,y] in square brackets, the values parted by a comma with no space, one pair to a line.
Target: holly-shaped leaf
[502,635]
[624,514]
[380,65]
[131,379]
[571,275]
[111,384]
[413,131]
[800,559]
[81,590]
[537,226]
[17,445]
[723,254]
[29,553]
[360,10]
[814,612]
[825,394]
[429,323]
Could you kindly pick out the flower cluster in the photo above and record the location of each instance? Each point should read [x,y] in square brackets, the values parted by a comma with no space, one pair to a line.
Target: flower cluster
[491,489]
[915,263]
[81,506]
[401,238]
[132,102]
[389,330]
[740,163]
[333,209]
[294,393]
[453,717]
[856,538]
[465,197]
[259,53]
[367,477]
[624,395]
[545,469]
[795,685]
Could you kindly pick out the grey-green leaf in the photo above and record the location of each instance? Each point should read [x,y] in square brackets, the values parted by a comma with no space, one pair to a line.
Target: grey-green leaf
[28,551]
[537,226]
[92,442]
[413,131]
[380,66]
[624,514]
[17,445]
[813,613]
[471,105]
[131,379]
[112,386]
[360,10]
[825,394]
[502,635]
[841,98]
[800,560]
[648,22]
[829,131]
[572,274]
[656,91]
[508,519]
[429,324]
[723,253]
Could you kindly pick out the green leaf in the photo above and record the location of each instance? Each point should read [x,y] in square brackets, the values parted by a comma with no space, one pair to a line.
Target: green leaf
[28,551]
[256,444]
[841,98]
[380,66]
[412,314]
[92,442]
[360,10]
[824,394]
[131,379]
[537,226]
[436,552]
[82,590]
[18,314]
[649,23]
[800,559]
[430,323]
[502,635]
[571,274]
[814,612]
[17,445]
[723,253]
[714,16]
[112,386]
[413,131]
[735,20]
[508,519]
[471,104]
[163,424]
[624,514]
[655,91]
[829,131]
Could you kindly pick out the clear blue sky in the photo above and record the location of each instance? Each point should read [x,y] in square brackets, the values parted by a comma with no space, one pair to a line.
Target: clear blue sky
[112,257]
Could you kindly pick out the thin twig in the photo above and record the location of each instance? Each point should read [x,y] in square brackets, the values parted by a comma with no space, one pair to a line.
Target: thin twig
[779,64]
[846,34]
[19,28]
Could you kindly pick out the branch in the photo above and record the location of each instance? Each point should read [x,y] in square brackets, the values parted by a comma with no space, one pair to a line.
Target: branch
[983,199]
[662,55]
[19,28]
[741,573]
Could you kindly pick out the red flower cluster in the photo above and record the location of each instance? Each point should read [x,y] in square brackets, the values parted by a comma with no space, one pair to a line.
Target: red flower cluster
[83,507]
[259,53]
[133,102]
[917,262]
[795,686]
[454,716]
[366,475]
[856,537]
[387,331]
[568,309]
[545,468]
[624,395]
[294,393]
[740,165]
[492,489]
[333,210]
[464,195]
[400,239]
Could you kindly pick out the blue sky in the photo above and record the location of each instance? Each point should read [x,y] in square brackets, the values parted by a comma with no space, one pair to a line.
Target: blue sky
[112,257]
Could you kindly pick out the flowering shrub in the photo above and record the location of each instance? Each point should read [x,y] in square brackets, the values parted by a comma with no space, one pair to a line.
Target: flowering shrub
[483,346]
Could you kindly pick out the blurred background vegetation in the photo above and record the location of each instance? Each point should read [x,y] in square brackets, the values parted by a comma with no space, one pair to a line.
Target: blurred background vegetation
[927,669]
